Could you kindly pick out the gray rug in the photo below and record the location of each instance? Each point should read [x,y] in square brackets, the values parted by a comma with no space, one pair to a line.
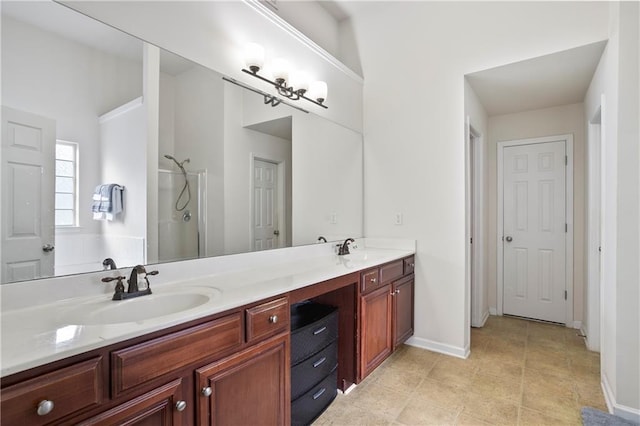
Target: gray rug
[593,417]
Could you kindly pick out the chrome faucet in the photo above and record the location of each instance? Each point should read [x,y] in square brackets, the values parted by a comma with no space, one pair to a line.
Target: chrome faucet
[344,247]
[322,239]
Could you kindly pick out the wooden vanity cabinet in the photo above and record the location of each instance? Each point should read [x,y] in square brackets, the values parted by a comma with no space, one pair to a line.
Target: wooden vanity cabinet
[247,388]
[403,311]
[386,312]
[159,407]
[376,342]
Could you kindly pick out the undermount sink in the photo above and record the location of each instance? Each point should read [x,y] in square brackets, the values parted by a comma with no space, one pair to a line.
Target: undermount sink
[142,308]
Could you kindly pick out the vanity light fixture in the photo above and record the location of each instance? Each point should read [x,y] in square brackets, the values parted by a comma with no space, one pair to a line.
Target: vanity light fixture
[292,85]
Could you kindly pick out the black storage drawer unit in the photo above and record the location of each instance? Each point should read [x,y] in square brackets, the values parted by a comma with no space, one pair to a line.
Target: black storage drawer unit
[309,406]
[312,370]
[314,360]
[313,327]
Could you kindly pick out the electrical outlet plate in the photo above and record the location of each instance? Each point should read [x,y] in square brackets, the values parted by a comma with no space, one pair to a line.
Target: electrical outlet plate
[333,218]
[398,220]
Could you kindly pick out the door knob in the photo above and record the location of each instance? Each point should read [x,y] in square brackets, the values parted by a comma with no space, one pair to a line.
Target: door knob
[276,232]
[509,239]
[47,248]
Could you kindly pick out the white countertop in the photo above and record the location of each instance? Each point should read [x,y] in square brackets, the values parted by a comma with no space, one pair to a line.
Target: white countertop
[36,335]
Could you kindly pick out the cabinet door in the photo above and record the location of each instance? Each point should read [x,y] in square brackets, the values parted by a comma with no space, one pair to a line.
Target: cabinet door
[402,310]
[375,327]
[251,387]
[162,406]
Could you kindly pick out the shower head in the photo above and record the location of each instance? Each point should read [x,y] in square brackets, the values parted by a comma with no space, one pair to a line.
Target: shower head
[178,163]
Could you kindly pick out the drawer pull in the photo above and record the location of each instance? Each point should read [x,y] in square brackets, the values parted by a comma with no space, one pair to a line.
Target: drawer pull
[45,407]
[319,393]
[319,362]
[181,405]
[412,265]
[318,331]
[206,391]
[374,280]
[273,319]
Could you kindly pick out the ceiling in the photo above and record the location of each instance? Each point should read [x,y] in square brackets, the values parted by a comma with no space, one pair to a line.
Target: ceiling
[560,78]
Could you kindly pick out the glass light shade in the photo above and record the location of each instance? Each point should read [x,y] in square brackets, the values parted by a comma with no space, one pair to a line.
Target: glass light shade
[318,91]
[300,81]
[253,55]
[280,69]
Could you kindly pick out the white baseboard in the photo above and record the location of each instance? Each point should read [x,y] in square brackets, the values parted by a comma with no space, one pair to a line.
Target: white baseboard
[442,348]
[629,413]
[493,311]
[348,390]
[577,325]
[485,318]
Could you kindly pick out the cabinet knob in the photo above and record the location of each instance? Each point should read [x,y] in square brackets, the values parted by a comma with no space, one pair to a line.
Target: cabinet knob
[206,391]
[413,265]
[398,291]
[181,405]
[273,319]
[374,280]
[45,407]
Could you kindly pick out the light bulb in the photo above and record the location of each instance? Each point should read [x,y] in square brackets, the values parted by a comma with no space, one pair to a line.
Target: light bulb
[300,81]
[318,91]
[254,56]
[280,70]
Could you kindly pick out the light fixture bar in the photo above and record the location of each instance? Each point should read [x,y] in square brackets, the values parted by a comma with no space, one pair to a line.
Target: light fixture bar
[268,99]
[282,88]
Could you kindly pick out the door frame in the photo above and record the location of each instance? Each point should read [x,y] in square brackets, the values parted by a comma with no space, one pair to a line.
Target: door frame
[281,202]
[595,229]
[474,197]
[568,139]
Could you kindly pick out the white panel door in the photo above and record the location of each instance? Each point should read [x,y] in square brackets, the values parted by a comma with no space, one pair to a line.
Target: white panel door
[28,144]
[534,231]
[265,205]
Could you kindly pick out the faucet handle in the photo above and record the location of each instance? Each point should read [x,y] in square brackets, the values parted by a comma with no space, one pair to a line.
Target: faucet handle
[109,279]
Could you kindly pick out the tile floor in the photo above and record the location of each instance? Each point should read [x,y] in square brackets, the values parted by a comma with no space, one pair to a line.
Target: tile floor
[519,373]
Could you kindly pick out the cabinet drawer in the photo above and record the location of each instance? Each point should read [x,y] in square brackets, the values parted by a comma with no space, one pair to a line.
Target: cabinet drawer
[307,340]
[391,271]
[70,389]
[149,360]
[409,265]
[369,280]
[267,319]
[310,405]
[311,371]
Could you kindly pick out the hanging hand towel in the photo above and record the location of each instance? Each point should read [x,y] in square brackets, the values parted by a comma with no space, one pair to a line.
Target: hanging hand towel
[107,201]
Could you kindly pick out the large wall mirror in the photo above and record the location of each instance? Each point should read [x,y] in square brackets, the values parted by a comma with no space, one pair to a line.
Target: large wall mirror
[202,166]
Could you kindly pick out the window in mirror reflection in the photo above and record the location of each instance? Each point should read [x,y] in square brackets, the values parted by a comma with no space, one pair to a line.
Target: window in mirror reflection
[66,200]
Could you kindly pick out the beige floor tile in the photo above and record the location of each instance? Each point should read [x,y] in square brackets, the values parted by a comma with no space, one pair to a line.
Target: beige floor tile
[381,401]
[453,370]
[535,418]
[551,399]
[504,370]
[548,361]
[399,380]
[491,410]
[498,387]
[518,372]
[419,412]
[467,420]
[443,394]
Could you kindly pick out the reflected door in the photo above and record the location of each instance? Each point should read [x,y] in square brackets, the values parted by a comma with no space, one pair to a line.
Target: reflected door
[265,202]
[28,144]
[534,231]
